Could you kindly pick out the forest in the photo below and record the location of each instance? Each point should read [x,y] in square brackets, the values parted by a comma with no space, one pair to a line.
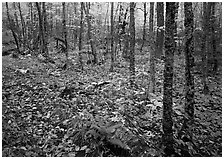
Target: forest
[111,79]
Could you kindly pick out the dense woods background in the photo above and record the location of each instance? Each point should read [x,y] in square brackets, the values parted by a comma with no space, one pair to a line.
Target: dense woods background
[111,79]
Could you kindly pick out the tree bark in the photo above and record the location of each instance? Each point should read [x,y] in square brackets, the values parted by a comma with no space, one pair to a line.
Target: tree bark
[205,28]
[11,26]
[112,38]
[65,30]
[80,36]
[151,16]
[41,33]
[189,60]
[152,53]
[168,140]
[215,59]
[160,30]
[132,43]
[143,35]
[45,37]
[92,43]
[23,26]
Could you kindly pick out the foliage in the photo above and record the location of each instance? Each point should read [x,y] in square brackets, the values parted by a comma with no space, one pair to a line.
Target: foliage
[100,115]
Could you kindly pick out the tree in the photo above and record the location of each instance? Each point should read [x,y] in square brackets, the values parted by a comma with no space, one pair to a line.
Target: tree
[167,123]
[92,43]
[213,32]
[151,16]
[11,27]
[80,36]
[65,30]
[45,41]
[205,27]
[143,35]
[152,53]
[23,25]
[187,132]
[160,29]
[112,37]
[41,31]
[132,43]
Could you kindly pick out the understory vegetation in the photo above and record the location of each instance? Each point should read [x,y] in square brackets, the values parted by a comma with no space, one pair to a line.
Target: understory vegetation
[48,111]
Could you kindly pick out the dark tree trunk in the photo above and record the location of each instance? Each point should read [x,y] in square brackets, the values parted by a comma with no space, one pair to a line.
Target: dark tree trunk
[214,58]
[168,140]
[65,30]
[160,30]
[132,43]
[11,26]
[41,33]
[45,38]
[19,35]
[152,53]
[92,43]
[189,60]
[143,35]
[151,16]
[112,38]
[205,26]
[23,26]
[80,36]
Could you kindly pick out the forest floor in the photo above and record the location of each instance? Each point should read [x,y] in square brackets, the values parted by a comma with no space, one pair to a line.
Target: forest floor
[48,111]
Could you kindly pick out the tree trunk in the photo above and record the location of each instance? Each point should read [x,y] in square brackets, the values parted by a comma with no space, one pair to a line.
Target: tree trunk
[132,43]
[215,59]
[152,53]
[65,31]
[160,30]
[187,131]
[112,38]
[205,27]
[45,38]
[143,35]
[41,33]
[23,26]
[168,140]
[19,35]
[80,36]
[92,43]
[11,26]
[151,16]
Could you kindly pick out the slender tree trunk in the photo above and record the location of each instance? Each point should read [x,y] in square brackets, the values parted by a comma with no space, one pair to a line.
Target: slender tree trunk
[12,25]
[112,38]
[152,53]
[132,43]
[80,36]
[92,43]
[151,16]
[205,45]
[143,35]
[19,35]
[32,25]
[189,86]
[214,61]
[168,140]
[23,26]
[65,31]
[160,30]
[45,37]
[41,33]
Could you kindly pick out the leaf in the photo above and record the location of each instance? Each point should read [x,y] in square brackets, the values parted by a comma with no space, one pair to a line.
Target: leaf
[83,148]
[23,148]
[72,154]
[111,129]
[118,143]
[77,148]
